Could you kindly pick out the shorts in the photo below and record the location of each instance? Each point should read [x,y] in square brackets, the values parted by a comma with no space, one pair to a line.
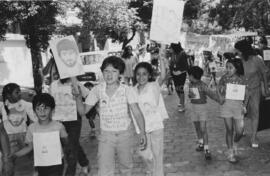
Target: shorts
[179,82]
[197,112]
[232,109]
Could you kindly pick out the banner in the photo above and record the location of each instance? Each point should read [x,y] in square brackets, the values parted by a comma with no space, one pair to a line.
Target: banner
[67,57]
[47,149]
[166,21]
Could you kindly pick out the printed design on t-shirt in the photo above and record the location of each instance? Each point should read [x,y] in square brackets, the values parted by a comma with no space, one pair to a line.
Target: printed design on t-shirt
[114,112]
[15,117]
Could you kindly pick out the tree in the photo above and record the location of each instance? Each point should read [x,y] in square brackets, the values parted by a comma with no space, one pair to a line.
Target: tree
[109,18]
[37,23]
[253,15]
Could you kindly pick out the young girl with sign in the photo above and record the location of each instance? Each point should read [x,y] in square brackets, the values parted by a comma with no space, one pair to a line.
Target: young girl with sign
[15,112]
[47,152]
[197,108]
[152,105]
[232,107]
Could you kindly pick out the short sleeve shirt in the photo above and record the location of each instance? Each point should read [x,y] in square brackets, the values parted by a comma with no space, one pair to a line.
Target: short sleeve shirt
[114,111]
[149,102]
[51,127]
[15,120]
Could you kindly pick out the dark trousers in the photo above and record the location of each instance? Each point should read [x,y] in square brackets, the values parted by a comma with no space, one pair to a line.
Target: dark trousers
[76,153]
[56,170]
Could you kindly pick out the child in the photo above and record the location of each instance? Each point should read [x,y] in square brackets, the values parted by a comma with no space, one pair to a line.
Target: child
[116,100]
[43,105]
[152,105]
[198,92]
[232,110]
[73,128]
[91,115]
[15,112]
[7,169]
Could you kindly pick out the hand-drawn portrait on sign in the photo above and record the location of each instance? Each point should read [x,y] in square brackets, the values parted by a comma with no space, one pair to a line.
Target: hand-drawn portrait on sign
[67,58]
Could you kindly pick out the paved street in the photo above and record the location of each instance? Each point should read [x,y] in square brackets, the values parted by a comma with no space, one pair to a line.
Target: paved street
[180,157]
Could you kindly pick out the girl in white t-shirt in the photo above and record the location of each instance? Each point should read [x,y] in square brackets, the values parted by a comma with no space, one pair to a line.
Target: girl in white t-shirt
[152,105]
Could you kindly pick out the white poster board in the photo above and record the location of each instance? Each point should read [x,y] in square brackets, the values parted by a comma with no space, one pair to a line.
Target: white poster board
[67,58]
[196,93]
[65,105]
[266,55]
[15,61]
[166,21]
[235,92]
[47,149]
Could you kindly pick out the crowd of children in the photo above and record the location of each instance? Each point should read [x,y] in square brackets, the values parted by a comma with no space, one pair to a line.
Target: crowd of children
[124,111]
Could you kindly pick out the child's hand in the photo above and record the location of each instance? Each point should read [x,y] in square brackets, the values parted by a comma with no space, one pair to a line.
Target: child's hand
[143,141]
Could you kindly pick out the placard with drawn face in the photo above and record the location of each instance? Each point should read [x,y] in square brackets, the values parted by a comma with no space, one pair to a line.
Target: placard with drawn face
[235,92]
[67,58]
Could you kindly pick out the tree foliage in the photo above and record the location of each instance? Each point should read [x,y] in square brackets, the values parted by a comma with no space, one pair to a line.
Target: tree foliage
[109,18]
[253,15]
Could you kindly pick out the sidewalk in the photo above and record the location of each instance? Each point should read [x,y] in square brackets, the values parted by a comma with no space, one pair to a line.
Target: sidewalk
[180,157]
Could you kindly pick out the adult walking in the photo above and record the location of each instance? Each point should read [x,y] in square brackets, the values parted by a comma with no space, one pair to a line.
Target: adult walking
[178,68]
[256,77]
[130,63]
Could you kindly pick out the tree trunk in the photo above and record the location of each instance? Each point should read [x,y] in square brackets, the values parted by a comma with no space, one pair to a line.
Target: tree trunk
[126,41]
[36,66]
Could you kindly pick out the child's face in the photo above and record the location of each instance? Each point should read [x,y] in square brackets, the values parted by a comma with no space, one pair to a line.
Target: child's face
[230,69]
[142,76]
[69,57]
[192,79]
[44,113]
[15,96]
[111,75]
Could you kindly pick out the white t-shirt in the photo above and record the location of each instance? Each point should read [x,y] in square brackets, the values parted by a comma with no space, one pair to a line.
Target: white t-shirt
[113,111]
[152,106]
[15,121]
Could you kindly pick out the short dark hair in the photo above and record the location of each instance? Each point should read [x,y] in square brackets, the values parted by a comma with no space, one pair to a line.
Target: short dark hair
[196,72]
[245,48]
[88,84]
[238,65]
[114,61]
[43,98]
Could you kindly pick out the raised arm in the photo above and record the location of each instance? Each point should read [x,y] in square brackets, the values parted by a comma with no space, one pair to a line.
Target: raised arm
[162,71]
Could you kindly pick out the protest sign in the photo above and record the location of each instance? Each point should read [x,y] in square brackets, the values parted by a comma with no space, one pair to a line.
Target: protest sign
[235,92]
[47,149]
[266,55]
[195,92]
[67,58]
[65,109]
[167,21]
